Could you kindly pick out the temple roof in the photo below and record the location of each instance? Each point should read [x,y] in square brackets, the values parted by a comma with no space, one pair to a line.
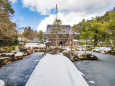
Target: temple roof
[65,30]
[35,40]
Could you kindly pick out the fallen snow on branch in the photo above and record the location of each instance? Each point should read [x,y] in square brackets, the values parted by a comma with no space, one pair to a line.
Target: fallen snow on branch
[56,70]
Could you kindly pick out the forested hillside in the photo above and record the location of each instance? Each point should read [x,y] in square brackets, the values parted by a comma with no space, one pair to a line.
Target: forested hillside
[100,29]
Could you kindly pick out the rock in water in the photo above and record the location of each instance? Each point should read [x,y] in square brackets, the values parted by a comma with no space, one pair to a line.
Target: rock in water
[2,83]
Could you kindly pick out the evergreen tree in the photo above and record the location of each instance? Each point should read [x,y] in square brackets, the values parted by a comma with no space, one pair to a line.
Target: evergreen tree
[8,32]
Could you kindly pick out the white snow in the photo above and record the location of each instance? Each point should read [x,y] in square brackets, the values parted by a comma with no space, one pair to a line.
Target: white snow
[5,58]
[8,53]
[31,45]
[19,54]
[102,49]
[80,53]
[92,82]
[56,70]
[2,83]
[37,60]
[68,49]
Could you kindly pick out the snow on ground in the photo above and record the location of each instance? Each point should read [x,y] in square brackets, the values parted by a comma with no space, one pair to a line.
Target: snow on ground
[31,45]
[8,53]
[56,70]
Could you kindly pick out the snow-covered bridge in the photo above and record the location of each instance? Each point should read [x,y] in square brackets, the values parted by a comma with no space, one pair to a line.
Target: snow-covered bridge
[56,70]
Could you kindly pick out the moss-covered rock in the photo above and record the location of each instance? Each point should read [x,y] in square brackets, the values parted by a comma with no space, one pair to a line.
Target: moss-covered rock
[71,56]
[55,50]
[112,52]
[61,50]
[42,50]
[18,57]
[88,57]
[4,60]
[72,59]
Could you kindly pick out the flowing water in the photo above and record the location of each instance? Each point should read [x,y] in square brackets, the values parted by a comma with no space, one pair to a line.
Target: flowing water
[98,73]
[17,73]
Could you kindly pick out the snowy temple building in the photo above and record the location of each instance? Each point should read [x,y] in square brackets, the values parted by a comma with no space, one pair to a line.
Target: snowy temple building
[58,34]
[63,35]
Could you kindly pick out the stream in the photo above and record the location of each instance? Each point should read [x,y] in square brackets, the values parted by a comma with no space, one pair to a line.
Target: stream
[98,73]
[18,72]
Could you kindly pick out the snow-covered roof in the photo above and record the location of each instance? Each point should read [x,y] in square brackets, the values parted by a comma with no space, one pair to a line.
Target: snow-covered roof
[35,40]
[66,29]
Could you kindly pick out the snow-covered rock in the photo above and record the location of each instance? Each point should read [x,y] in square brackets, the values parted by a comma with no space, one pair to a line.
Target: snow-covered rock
[2,83]
[56,70]
[32,45]
[5,60]
[7,54]
[80,53]
[96,49]
[102,49]
[19,54]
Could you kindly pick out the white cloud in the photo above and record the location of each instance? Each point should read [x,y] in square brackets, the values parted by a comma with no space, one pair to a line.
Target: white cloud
[73,10]
[66,18]
[43,24]
[13,1]
[87,6]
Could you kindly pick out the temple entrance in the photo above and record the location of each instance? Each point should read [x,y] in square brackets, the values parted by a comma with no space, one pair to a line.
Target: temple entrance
[61,43]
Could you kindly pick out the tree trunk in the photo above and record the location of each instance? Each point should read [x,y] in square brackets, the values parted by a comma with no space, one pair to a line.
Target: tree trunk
[95,40]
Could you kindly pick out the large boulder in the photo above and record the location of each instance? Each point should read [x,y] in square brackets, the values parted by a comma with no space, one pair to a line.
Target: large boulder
[8,54]
[19,55]
[29,52]
[70,54]
[4,60]
[88,57]
[11,55]
[112,52]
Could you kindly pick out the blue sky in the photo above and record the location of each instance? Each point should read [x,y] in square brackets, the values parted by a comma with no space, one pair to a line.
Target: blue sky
[24,17]
[39,13]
